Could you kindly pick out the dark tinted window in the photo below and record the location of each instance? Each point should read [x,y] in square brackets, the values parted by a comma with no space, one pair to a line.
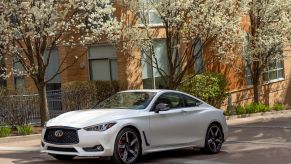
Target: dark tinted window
[191,102]
[172,99]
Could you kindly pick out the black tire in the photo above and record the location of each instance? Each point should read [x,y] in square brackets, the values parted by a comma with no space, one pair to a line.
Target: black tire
[62,157]
[127,147]
[213,139]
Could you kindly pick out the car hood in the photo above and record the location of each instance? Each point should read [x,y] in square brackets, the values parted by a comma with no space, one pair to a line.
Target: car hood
[84,118]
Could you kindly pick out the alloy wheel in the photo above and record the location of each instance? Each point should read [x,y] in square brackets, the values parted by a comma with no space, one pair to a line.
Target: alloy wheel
[128,147]
[215,139]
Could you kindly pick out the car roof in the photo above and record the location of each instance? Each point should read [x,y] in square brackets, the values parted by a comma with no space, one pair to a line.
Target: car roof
[151,90]
[163,91]
[143,90]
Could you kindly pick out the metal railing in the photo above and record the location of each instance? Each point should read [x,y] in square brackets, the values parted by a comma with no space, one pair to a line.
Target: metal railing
[24,109]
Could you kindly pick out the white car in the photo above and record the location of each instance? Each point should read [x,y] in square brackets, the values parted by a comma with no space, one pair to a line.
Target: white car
[135,122]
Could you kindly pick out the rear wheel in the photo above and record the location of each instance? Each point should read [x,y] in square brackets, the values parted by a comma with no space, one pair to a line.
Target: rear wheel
[127,147]
[213,139]
[62,157]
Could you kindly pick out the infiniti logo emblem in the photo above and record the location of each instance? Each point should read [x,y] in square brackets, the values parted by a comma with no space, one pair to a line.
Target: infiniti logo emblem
[59,133]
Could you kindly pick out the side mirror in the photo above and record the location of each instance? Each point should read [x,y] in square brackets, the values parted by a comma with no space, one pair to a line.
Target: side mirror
[161,107]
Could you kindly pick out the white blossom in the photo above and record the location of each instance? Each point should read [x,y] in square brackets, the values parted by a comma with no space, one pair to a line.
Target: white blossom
[27,26]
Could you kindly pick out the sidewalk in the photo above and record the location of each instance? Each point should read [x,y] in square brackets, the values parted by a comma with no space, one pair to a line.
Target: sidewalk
[257,117]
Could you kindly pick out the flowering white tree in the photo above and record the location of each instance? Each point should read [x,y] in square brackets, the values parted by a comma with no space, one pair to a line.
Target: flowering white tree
[187,26]
[30,29]
[268,35]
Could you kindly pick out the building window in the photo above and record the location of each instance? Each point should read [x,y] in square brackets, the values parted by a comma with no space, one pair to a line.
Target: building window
[274,71]
[198,56]
[2,72]
[103,62]
[150,74]
[150,16]
[19,83]
[248,74]
[52,69]
[19,80]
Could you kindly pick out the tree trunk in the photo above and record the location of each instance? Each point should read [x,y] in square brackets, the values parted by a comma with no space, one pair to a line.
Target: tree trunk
[256,80]
[44,112]
[256,92]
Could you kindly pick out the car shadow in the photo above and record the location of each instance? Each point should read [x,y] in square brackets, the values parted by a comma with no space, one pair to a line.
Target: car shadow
[41,158]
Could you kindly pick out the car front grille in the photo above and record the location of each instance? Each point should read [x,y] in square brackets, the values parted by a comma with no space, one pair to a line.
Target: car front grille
[61,135]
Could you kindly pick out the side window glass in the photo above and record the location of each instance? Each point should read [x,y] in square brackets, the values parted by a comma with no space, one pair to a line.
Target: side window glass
[191,102]
[172,99]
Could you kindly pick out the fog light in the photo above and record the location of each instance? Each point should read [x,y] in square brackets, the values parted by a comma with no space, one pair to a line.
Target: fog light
[94,148]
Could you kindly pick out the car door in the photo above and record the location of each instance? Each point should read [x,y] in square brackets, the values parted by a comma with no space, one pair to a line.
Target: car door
[168,127]
[196,119]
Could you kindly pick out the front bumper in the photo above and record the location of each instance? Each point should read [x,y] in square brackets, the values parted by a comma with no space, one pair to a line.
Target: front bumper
[87,139]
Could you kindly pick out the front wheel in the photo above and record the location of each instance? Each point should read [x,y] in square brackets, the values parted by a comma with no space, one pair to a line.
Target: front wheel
[213,139]
[127,147]
[62,157]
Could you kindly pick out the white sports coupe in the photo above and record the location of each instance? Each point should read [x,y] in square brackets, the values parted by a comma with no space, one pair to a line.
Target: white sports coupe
[135,122]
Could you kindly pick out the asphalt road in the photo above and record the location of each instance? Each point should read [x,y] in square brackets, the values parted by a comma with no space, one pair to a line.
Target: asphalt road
[267,142]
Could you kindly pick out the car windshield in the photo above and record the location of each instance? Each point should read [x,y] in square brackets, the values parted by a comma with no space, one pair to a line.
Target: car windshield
[127,100]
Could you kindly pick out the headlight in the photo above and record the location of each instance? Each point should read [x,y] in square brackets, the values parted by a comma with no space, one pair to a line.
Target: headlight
[100,127]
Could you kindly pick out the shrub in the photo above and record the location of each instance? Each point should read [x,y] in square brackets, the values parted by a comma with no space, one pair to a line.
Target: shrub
[255,108]
[240,110]
[263,108]
[278,106]
[5,131]
[85,94]
[209,87]
[24,129]
[251,108]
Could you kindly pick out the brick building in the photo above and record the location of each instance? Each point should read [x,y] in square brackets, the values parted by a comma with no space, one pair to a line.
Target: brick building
[104,61]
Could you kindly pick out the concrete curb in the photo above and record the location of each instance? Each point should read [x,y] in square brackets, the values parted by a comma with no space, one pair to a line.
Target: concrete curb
[20,138]
[257,117]
[273,113]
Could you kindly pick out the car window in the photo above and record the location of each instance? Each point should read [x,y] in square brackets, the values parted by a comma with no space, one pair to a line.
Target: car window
[191,102]
[127,100]
[172,99]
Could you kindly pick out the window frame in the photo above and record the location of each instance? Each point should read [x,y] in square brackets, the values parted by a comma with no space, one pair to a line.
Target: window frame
[108,59]
[54,57]
[267,71]
[180,96]
[148,18]
[16,64]
[155,77]
[186,104]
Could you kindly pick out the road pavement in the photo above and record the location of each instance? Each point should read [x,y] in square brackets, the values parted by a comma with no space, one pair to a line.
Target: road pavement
[265,141]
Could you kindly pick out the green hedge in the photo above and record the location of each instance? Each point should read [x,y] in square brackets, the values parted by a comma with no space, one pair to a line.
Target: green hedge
[24,129]
[278,106]
[5,131]
[209,87]
[85,94]
[255,108]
